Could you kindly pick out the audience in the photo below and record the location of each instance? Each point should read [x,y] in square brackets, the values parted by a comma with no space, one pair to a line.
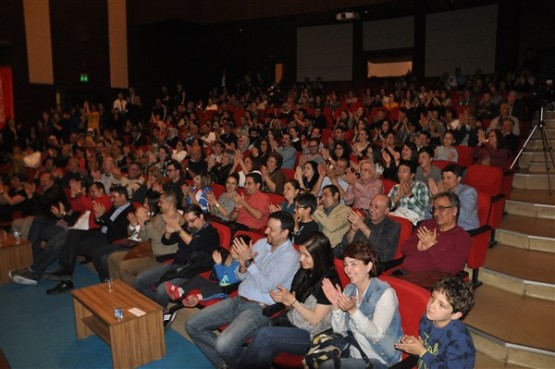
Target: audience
[243,131]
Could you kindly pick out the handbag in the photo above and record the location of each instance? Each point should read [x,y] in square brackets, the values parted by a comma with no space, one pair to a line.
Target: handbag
[328,345]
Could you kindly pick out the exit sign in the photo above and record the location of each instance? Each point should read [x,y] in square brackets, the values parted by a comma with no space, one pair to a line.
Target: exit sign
[84,78]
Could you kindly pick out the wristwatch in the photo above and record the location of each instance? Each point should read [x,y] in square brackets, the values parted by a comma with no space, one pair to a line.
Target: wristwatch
[249,262]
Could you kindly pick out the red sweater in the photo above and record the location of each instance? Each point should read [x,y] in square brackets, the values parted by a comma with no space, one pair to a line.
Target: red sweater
[448,255]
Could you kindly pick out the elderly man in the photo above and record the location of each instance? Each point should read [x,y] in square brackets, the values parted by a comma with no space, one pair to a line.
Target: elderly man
[452,182]
[331,215]
[439,247]
[270,262]
[376,229]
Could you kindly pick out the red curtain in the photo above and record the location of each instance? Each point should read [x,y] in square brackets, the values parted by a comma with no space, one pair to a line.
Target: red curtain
[6,95]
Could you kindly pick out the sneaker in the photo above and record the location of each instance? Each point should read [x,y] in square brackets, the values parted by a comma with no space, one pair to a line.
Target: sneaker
[168,318]
[24,276]
[173,291]
[13,272]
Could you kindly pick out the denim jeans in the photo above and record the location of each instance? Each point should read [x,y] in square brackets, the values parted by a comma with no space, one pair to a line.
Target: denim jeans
[243,317]
[269,342]
[147,284]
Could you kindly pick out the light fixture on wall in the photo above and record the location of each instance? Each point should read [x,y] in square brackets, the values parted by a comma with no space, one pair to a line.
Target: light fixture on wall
[347,16]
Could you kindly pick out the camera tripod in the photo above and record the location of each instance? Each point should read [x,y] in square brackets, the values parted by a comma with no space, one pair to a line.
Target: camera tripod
[547,150]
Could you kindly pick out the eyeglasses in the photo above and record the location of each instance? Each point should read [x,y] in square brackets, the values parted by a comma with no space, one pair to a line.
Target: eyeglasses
[300,207]
[441,209]
[191,221]
[313,146]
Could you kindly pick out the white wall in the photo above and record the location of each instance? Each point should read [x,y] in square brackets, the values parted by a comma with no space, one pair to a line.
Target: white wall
[326,52]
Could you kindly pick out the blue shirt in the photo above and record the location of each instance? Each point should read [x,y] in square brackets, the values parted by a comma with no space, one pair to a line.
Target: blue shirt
[447,347]
[270,269]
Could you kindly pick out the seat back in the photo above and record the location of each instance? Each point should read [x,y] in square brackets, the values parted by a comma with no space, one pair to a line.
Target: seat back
[465,155]
[485,178]
[412,299]
[343,279]
[441,164]
[217,189]
[407,229]
[275,198]
[289,173]
[388,185]
[225,235]
[253,235]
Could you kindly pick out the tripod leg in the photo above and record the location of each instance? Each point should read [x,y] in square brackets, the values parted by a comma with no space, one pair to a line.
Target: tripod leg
[547,150]
[523,147]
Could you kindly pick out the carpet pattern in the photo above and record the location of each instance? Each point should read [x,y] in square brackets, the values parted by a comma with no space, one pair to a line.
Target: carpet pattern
[37,331]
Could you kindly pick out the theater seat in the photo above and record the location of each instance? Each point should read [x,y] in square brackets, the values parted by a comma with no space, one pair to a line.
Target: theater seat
[480,238]
[489,179]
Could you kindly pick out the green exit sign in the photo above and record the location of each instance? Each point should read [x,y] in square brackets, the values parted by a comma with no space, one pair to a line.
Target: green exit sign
[84,78]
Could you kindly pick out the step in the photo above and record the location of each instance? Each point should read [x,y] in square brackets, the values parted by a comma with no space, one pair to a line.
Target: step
[527,233]
[533,181]
[532,156]
[520,271]
[513,319]
[540,197]
[483,361]
[537,143]
[529,209]
[493,353]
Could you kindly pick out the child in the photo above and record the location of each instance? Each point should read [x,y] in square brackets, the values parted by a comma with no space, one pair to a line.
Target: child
[447,151]
[199,288]
[444,341]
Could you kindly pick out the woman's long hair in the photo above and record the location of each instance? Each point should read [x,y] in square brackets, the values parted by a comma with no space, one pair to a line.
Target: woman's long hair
[308,184]
[307,280]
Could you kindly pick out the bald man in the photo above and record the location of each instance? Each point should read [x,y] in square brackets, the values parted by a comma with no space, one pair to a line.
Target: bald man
[377,229]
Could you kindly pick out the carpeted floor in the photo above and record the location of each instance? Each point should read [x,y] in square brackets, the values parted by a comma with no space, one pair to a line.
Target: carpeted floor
[37,331]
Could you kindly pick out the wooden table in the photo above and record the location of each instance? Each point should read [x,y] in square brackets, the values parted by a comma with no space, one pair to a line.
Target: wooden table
[13,255]
[135,340]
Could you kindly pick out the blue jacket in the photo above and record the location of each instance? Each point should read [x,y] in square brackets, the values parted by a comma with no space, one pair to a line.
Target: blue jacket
[384,347]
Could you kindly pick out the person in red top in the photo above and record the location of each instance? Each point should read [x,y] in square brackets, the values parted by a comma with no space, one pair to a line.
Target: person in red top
[251,211]
[439,247]
[80,204]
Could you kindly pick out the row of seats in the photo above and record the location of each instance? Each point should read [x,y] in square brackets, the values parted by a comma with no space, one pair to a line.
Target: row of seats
[412,299]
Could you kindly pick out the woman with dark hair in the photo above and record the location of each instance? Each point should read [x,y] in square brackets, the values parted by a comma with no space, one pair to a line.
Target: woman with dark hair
[307,309]
[164,157]
[367,309]
[262,150]
[491,151]
[272,176]
[224,205]
[340,150]
[391,159]
[308,176]
[291,190]
[363,142]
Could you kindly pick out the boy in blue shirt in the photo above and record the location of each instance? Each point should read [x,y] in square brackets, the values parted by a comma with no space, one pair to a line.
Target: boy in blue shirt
[444,340]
